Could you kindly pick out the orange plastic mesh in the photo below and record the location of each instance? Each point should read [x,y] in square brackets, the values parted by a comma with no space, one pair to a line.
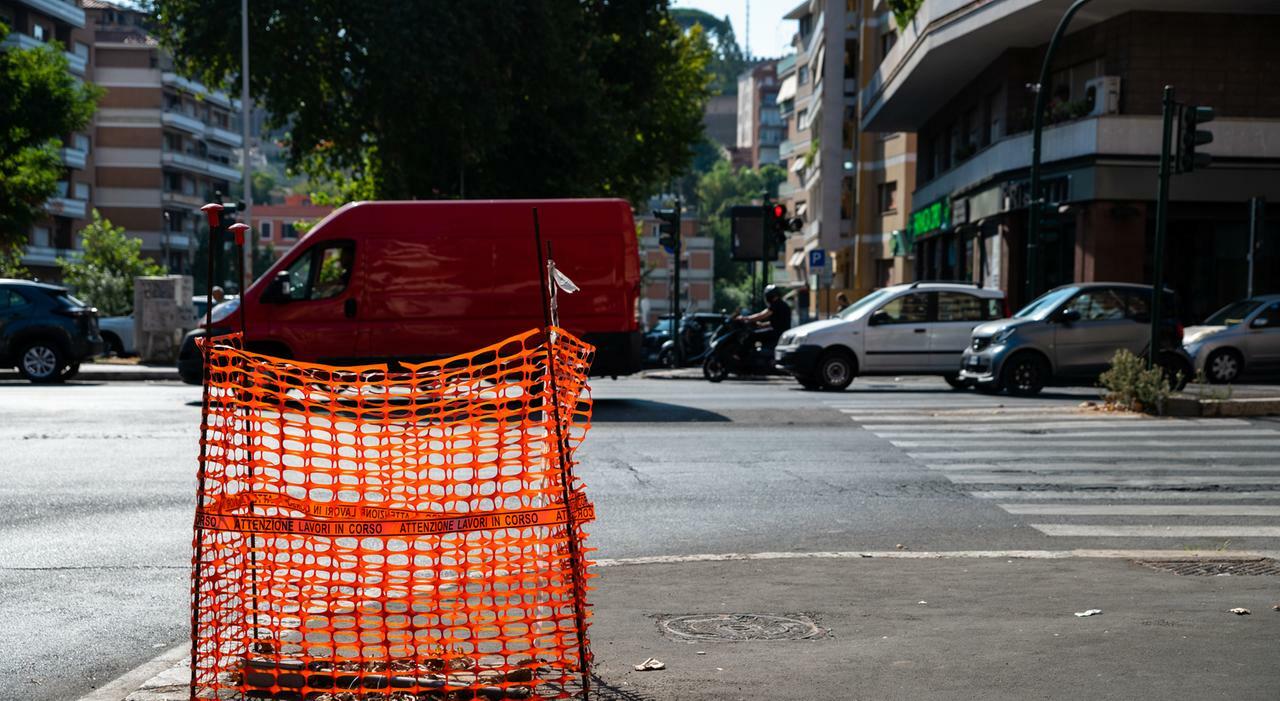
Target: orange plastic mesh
[365,534]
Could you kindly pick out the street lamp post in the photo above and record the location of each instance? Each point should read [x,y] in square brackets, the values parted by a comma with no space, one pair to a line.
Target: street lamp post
[246,253]
[1037,126]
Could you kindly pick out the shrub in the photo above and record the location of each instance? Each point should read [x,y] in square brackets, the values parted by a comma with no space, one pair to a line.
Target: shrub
[1130,385]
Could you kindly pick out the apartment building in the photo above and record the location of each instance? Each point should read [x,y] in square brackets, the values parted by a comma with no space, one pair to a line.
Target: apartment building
[958,76]
[35,23]
[278,225]
[760,125]
[697,268]
[848,186]
[164,145]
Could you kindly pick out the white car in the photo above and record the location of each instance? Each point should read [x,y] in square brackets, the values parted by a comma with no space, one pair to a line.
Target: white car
[916,329]
[117,331]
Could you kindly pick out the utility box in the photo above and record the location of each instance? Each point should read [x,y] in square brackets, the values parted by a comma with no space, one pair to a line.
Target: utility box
[162,313]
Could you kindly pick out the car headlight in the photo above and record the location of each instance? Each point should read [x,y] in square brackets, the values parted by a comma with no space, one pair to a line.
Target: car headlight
[224,310]
[1002,336]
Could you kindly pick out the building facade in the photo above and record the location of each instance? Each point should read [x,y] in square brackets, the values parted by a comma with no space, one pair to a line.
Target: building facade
[760,125]
[165,145]
[279,225]
[849,187]
[1101,142]
[34,23]
[697,267]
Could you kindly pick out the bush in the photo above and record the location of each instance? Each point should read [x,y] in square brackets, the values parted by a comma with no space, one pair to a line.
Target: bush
[104,275]
[1130,385]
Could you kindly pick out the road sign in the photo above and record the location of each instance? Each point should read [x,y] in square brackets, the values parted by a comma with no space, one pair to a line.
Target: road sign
[818,258]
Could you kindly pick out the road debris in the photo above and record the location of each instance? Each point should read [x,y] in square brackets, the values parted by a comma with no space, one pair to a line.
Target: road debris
[700,652]
[922,602]
[650,664]
[1240,611]
[900,546]
[1090,612]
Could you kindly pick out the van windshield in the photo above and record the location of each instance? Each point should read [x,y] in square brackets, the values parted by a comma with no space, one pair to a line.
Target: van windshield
[1041,307]
[1233,313]
[857,307]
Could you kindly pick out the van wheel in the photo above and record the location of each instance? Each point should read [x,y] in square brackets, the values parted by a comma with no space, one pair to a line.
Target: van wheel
[1024,375]
[714,369]
[956,382]
[41,362]
[835,370]
[1223,366]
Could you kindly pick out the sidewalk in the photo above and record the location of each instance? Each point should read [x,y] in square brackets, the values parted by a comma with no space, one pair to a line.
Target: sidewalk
[892,627]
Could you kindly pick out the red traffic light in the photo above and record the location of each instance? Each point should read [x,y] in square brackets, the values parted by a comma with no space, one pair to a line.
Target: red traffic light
[779,211]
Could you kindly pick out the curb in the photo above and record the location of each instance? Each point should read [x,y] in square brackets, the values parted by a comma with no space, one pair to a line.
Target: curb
[164,677]
[1252,406]
[95,375]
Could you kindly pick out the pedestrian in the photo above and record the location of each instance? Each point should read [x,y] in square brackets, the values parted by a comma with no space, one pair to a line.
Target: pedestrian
[218,294]
[842,301]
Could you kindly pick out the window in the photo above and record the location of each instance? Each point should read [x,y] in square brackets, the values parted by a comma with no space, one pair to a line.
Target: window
[10,298]
[287,231]
[322,272]
[907,309]
[887,197]
[802,120]
[42,237]
[802,75]
[82,191]
[37,31]
[1272,316]
[958,306]
[264,231]
[1098,305]
[887,40]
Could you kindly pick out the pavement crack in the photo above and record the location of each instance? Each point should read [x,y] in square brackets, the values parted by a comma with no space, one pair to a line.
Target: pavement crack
[625,466]
[818,482]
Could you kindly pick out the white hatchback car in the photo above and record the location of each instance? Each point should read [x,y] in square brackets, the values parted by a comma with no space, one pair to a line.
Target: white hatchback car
[916,329]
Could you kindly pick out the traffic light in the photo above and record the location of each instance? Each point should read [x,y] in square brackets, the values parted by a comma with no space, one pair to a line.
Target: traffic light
[780,226]
[1190,136]
[668,228]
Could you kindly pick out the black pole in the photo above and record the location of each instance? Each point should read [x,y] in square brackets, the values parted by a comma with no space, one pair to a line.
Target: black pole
[566,475]
[1162,205]
[675,289]
[1037,126]
[1257,215]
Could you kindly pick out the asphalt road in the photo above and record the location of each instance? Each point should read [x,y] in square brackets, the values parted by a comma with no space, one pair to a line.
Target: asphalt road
[97,492]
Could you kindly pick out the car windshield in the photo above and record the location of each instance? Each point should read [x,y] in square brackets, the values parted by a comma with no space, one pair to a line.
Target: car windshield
[1041,307]
[1233,313]
[857,307]
[69,301]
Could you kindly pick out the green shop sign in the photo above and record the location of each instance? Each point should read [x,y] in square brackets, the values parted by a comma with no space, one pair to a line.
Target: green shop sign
[931,219]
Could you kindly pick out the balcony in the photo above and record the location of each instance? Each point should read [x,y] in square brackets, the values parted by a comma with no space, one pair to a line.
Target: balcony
[222,136]
[73,157]
[178,199]
[182,121]
[66,10]
[226,172]
[215,97]
[17,40]
[77,64]
[202,166]
[66,207]
[47,255]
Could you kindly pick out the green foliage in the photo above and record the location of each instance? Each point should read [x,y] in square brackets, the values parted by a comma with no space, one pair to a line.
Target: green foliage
[40,102]
[904,11]
[727,60]
[11,261]
[1130,385]
[433,99]
[112,259]
[719,190]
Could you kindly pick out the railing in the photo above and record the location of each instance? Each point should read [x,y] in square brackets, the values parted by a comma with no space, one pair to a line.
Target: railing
[73,157]
[66,207]
[65,10]
[221,135]
[184,122]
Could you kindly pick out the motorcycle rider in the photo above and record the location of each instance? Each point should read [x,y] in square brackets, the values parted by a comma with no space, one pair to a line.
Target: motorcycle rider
[772,320]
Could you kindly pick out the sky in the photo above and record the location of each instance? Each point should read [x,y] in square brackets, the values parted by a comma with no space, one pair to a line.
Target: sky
[770,34]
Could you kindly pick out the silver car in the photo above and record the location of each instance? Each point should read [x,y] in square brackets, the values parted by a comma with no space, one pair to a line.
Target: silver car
[1243,335]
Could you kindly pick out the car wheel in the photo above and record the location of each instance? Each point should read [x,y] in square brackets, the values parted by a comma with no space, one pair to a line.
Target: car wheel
[114,345]
[41,362]
[809,383]
[714,369]
[1024,375]
[667,358]
[1224,366]
[956,382]
[835,370]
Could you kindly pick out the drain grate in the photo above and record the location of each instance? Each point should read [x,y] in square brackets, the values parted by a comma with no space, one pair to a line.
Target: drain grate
[737,627]
[1214,568]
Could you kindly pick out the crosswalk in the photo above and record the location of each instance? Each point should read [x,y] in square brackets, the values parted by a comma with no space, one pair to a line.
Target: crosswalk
[1073,472]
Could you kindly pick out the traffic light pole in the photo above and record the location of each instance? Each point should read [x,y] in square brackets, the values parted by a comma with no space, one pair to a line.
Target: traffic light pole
[1037,127]
[1162,205]
[675,290]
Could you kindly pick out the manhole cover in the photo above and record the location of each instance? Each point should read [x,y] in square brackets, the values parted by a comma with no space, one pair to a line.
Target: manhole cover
[736,627]
[1213,568]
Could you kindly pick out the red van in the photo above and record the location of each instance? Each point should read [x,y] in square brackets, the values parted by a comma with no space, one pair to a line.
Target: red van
[377,281]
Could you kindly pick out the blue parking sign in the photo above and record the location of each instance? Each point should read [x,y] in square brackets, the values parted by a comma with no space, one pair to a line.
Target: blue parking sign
[818,258]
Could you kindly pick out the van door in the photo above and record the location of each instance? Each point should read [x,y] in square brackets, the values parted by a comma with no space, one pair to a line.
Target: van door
[318,318]
[1086,346]
[897,334]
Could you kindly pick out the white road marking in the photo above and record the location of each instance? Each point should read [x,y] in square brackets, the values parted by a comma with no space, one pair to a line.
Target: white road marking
[1127,554]
[1172,444]
[1039,467]
[1096,454]
[1142,509]
[1173,432]
[1153,495]
[1206,531]
[1111,480]
[917,427]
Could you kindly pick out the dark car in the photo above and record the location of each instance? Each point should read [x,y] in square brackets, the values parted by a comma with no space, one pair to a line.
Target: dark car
[704,323]
[44,331]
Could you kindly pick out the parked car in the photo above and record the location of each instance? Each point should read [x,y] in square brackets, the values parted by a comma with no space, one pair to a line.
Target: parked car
[1243,335]
[386,281]
[917,329]
[44,331]
[1070,335]
[117,335]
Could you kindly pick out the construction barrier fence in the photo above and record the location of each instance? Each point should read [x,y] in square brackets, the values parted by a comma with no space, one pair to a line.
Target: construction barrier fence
[393,534]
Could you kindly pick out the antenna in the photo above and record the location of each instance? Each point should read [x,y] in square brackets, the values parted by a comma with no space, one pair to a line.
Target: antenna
[747,40]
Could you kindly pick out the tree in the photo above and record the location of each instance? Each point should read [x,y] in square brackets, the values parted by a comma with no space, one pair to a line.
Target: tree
[39,103]
[441,99]
[727,60]
[719,190]
[112,259]
[11,261]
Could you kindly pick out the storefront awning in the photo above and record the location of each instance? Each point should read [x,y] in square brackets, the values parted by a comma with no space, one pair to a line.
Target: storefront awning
[787,91]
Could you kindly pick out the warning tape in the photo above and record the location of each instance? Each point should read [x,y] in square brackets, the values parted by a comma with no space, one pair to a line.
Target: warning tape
[374,521]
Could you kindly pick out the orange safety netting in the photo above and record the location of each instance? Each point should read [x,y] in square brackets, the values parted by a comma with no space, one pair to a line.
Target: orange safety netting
[366,534]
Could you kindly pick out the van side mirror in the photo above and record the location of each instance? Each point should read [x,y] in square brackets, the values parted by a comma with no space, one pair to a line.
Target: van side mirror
[1068,316]
[879,317]
[277,291]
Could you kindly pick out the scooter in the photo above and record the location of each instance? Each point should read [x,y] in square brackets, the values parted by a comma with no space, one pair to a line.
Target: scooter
[733,350]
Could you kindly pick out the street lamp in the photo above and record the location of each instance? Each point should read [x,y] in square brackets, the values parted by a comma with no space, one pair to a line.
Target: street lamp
[1037,126]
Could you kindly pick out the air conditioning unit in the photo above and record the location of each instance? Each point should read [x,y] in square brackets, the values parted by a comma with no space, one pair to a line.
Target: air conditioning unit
[1104,93]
